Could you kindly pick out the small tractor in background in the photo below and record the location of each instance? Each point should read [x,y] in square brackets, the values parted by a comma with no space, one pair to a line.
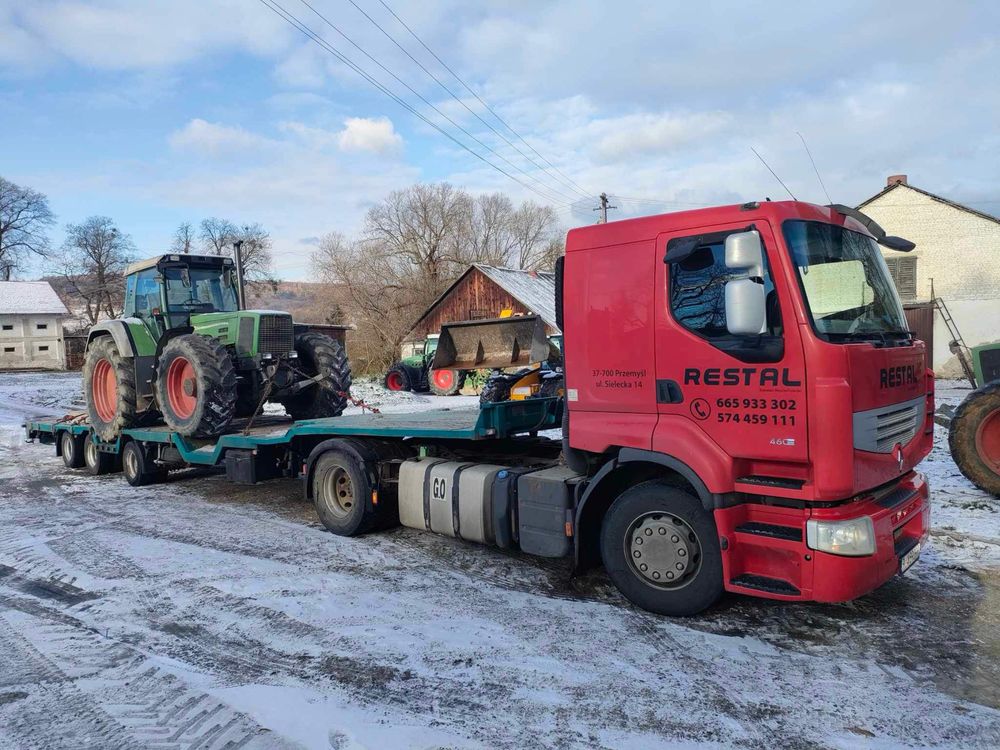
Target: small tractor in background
[186,351]
[413,372]
[974,432]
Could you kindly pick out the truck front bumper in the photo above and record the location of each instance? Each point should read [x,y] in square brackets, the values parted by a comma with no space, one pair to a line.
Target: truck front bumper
[765,550]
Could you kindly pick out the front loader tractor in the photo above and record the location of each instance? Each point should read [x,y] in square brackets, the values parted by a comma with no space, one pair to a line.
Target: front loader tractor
[185,351]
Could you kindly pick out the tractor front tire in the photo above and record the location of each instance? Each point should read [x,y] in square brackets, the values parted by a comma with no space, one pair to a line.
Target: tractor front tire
[446,382]
[109,385]
[496,389]
[397,379]
[320,355]
[196,386]
[974,438]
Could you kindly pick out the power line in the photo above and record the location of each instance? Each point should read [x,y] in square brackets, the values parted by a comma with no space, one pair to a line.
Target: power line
[569,183]
[275,7]
[561,195]
[481,101]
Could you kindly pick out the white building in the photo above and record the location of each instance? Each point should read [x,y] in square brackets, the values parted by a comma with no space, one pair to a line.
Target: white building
[957,259]
[31,326]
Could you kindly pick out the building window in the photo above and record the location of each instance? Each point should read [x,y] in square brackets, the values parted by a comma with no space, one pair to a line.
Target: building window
[41,326]
[904,275]
[8,326]
[8,350]
[43,348]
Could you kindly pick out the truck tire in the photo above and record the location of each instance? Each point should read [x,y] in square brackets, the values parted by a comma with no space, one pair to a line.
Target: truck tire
[397,379]
[196,386]
[109,385]
[341,489]
[661,549]
[71,448]
[97,461]
[446,382]
[138,469]
[319,354]
[974,438]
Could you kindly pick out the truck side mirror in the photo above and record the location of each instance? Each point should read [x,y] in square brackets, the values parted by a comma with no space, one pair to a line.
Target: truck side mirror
[746,309]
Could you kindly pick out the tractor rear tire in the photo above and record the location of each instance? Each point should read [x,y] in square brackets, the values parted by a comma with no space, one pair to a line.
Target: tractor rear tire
[496,389]
[109,385]
[320,355]
[397,379]
[196,386]
[974,438]
[446,382]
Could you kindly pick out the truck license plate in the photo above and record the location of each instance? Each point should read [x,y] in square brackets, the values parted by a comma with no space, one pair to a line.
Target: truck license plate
[909,558]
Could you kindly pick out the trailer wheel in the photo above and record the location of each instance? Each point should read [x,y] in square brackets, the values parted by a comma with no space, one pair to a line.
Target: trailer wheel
[71,448]
[974,438]
[661,549]
[341,489]
[446,382]
[97,461]
[137,468]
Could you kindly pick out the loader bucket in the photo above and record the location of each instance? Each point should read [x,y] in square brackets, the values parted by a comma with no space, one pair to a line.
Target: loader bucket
[497,343]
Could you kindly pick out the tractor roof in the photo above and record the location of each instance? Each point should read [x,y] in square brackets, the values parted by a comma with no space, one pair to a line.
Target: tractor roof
[142,265]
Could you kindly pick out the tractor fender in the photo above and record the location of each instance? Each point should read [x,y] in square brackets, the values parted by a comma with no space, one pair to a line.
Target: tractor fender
[119,331]
[171,334]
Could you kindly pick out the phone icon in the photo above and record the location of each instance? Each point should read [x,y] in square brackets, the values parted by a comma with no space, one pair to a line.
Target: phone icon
[701,409]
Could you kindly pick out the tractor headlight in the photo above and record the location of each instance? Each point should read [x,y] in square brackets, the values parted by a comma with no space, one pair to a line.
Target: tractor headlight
[850,538]
[293,354]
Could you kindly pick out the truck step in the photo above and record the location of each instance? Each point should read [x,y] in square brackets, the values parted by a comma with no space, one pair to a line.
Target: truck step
[763,583]
[772,530]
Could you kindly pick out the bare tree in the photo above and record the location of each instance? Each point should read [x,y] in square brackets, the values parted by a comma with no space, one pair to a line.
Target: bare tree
[94,257]
[183,238]
[24,220]
[218,237]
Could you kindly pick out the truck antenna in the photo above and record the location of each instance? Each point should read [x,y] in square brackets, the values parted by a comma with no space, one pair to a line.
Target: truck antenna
[812,161]
[772,172]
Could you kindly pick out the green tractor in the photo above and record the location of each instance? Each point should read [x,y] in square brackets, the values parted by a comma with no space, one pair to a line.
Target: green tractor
[413,372]
[974,430]
[184,350]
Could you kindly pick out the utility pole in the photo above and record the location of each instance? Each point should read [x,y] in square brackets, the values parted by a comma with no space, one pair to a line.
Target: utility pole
[603,208]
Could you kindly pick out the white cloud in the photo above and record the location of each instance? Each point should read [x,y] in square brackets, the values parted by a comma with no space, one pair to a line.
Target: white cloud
[376,135]
[213,139]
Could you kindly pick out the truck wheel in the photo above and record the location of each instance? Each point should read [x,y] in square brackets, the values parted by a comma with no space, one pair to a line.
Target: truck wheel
[109,385]
[196,386]
[320,355]
[661,549]
[71,448]
[137,468]
[446,382]
[974,438]
[341,490]
[396,379]
[97,461]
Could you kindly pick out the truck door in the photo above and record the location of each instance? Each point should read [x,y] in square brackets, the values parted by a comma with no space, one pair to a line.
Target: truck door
[745,392]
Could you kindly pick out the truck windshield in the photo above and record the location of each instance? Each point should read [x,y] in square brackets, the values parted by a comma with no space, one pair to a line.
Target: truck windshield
[846,283]
[194,290]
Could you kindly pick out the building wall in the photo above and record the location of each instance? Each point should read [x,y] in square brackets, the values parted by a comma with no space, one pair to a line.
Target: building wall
[958,259]
[25,343]
[475,296]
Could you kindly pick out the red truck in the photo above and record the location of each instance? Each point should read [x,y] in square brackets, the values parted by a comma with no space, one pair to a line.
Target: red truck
[744,408]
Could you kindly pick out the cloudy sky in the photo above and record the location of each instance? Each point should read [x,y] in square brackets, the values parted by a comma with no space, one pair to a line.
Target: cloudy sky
[156,112]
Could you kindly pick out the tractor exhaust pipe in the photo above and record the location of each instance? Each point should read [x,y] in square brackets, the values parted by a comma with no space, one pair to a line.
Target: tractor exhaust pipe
[238,259]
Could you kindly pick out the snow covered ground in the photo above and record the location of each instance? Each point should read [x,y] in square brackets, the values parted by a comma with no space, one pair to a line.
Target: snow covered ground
[203,614]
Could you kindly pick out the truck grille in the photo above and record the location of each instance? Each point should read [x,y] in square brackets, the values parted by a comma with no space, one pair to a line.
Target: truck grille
[276,334]
[878,430]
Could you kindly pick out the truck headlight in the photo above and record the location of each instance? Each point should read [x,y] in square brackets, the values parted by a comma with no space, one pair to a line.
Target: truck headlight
[850,538]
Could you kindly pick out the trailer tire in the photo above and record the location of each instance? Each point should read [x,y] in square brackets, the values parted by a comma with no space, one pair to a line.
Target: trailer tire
[97,461]
[341,488]
[196,386]
[109,385]
[974,438]
[667,533]
[137,468]
[319,354]
[71,448]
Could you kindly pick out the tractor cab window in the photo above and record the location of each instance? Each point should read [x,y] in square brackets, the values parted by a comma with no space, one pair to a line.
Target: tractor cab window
[199,290]
[146,293]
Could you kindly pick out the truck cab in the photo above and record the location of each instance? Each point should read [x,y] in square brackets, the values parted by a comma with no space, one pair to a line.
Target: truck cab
[758,356]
